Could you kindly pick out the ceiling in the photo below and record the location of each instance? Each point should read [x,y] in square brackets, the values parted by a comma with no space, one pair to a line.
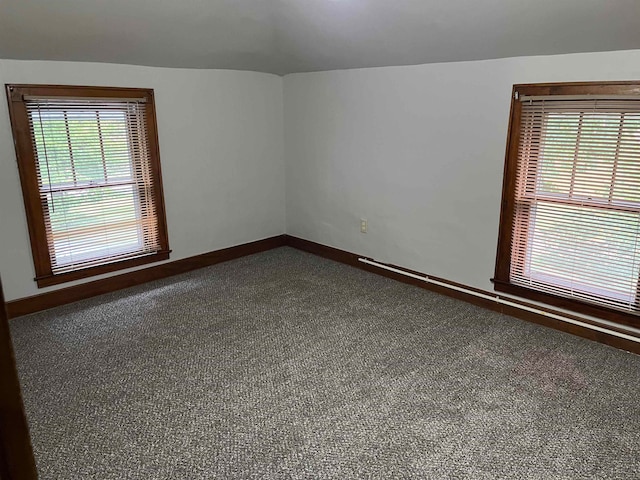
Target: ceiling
[286,36]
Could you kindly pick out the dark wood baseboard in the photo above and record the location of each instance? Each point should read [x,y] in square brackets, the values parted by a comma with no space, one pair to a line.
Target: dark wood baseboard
[541,319]
[44,301]
[36,303]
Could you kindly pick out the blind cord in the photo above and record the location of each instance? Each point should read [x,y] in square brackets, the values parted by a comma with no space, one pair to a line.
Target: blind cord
[46,158]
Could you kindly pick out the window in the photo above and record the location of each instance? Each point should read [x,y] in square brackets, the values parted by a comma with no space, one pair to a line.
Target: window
[90,172]
[570,222]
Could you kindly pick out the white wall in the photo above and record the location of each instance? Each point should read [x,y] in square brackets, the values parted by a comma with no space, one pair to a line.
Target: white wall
[418,151]
[220,138]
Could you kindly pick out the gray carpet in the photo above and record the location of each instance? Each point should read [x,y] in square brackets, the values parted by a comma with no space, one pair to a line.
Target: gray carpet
[286,365]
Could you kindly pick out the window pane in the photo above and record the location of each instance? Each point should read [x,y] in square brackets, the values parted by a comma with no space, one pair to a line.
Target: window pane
[586,249]
[557,153]
[84,136]
[596,153]
[82,147]
[54,158]
[94,223]
[117,152]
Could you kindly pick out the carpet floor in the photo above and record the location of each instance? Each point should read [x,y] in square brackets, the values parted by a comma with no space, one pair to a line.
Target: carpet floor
[286,365]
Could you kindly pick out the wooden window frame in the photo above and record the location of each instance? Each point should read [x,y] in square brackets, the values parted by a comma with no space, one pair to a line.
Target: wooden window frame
[501,278]
[26,160]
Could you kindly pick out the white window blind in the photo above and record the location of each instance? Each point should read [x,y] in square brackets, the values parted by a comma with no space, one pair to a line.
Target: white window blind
[95,180]
[576,231]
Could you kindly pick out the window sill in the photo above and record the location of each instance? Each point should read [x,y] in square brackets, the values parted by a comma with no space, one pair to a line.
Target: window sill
[585,308]
[49,280]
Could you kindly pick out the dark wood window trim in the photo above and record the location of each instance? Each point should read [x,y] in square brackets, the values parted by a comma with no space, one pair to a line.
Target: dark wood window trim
[29,177]
[501,278]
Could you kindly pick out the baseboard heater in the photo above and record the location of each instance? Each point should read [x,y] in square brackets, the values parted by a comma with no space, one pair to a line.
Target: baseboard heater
[501,300]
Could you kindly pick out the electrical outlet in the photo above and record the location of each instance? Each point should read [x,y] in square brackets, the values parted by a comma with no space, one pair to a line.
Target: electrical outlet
[363,225]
